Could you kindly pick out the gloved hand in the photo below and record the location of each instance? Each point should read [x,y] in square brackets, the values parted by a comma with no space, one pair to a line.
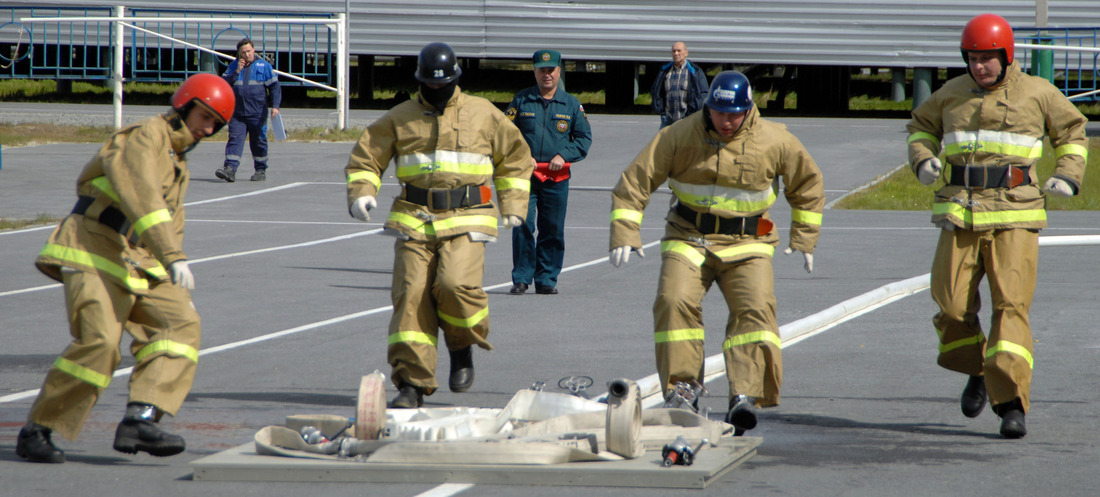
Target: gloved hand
[809,259]
[511,221]
[1058,187]
[929,171]
[181,274]
[621,255]
[360,209]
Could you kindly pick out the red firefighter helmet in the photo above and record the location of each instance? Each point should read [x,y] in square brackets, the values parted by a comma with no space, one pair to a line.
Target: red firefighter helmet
[988,32]
[209,90]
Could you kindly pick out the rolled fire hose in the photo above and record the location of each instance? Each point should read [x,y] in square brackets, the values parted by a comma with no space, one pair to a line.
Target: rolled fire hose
[370,414]
[624,419]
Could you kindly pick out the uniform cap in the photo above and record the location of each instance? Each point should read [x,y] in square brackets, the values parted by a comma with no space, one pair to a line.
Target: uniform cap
[546,58]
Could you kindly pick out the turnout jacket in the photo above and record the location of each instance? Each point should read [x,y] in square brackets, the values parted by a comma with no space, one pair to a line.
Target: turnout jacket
[727,178]
[996,127]
[141,172]
[471,143]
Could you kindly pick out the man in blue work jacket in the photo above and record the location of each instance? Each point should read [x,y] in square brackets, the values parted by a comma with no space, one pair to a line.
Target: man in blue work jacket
[256,87]
[555,127]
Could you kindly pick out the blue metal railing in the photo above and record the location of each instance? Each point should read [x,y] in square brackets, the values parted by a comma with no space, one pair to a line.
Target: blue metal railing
[83,50]
[1074,72]
[60,50]
[305,50]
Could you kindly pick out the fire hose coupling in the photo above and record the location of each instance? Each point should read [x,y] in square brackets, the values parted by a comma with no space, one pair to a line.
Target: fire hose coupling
[680,452]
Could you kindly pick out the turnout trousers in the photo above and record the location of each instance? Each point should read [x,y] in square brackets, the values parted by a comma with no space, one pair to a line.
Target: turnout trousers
[255,127]
[754,362]
[540,261]
[166,331]
[1010,259]
[436,284]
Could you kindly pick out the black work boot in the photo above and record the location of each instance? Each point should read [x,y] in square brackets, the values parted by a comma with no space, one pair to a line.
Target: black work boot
[35,445]
[1012,418]
[973,397]
[138,431]
[462,369]
[227,173]
[742,414]
[408,397]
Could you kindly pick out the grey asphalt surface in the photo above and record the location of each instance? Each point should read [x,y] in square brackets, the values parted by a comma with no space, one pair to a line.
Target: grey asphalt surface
[865,410]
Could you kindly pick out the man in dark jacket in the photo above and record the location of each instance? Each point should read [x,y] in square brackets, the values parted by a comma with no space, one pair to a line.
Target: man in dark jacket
[680,88]
[256,87]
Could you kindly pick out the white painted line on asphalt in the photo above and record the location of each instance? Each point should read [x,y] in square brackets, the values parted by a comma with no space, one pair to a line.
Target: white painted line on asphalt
[446,490]
[249,194]
[227,256]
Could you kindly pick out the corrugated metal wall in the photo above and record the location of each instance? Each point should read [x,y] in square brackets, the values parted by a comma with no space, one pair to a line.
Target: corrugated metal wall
[885,33]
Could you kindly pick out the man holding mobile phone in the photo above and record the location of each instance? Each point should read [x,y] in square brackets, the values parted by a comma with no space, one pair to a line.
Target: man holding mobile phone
[256,87]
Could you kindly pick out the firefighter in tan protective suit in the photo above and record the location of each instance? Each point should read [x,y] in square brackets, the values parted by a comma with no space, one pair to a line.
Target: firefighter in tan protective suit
[120,256]
[991,123]
[721,164]
[449,148]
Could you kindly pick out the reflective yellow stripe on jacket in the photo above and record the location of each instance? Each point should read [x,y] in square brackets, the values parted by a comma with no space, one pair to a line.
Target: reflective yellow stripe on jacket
[512,184]
[627,215]
[443,161]
[101,183]
[977,219]
[429,228]
[685,250]
[152,219]
[367,176]
[993,142]
[1072,149]
[806,217]
[722,197]
[100,263]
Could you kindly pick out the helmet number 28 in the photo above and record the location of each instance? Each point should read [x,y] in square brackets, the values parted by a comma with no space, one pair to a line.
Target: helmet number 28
[438,73]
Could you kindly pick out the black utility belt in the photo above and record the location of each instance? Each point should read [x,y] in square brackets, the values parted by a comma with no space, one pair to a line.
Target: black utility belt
[441,199]
[972,176]
[709,224]
[111,217]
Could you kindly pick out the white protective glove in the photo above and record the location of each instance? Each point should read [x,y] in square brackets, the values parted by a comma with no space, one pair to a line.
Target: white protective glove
[1058,187]
[360,209]
[929,171]
[621,255]
[511,221]
[809,259]
[181,274]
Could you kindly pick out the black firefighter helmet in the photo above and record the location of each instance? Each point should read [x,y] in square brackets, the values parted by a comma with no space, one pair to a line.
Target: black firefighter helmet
[437,64]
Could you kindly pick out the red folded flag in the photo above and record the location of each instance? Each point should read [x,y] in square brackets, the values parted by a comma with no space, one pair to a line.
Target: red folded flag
[543,172]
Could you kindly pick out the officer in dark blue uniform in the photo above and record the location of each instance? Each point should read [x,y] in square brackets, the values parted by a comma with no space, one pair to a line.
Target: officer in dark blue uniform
[555,127]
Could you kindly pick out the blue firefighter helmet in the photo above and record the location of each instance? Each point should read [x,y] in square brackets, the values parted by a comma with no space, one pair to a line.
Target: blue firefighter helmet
[730,92]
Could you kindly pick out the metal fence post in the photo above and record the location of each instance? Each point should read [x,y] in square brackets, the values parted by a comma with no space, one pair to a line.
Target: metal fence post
[117,63]
[1042,61]
[922,85]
